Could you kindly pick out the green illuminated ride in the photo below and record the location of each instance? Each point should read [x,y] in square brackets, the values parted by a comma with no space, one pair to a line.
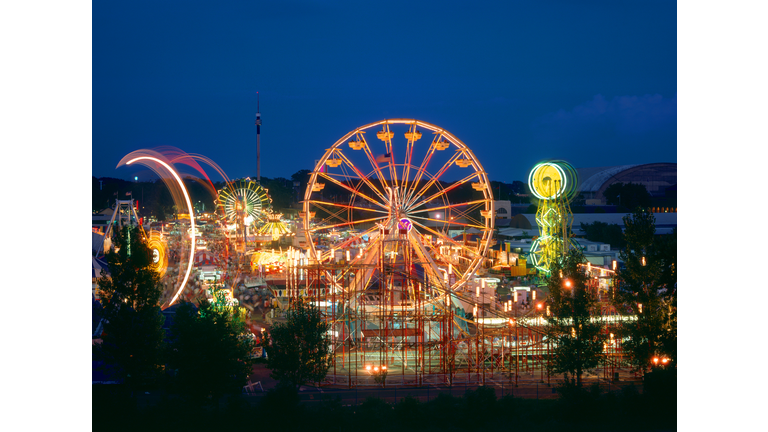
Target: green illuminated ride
[554,184]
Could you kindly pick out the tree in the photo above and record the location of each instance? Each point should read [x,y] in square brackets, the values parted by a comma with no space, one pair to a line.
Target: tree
[301,176]
[133,339]
[628,196]
[604,233]
[578,343]
[647,289]
[299,347]
[279,191]
[211,347]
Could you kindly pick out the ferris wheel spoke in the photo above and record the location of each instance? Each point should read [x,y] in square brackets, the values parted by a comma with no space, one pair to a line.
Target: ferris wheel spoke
[366,260]
[347,242]
[363,177]
[346,206]
[433,180]
[446,207]
[332,214]
[470,218]
[451,222]
[391,151]
[411,144]
[446,190]
[425,257]
[318,228]
[374,164]
[423,167]
[353,191]
[448,239]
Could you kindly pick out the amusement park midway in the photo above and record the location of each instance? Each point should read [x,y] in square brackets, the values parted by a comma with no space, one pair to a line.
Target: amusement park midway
[423,276]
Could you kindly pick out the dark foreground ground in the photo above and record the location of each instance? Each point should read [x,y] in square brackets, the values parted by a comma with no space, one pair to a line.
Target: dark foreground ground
[402,410]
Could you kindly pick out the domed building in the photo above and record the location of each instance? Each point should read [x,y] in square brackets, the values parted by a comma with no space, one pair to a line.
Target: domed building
[658,178]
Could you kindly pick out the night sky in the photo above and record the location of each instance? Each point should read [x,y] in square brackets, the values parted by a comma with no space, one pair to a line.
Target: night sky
[590,82]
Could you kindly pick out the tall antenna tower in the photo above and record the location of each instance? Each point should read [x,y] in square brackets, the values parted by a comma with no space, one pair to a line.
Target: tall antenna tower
[258,141]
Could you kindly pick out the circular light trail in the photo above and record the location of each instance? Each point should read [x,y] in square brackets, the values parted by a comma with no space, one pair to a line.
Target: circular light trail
[159,256]
[191,220]
[547,181]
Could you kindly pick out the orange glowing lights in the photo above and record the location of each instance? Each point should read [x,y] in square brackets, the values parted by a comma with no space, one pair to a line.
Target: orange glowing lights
[191,219]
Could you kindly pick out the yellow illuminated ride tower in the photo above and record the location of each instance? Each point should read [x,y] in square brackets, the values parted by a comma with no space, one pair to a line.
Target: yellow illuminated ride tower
[554,184]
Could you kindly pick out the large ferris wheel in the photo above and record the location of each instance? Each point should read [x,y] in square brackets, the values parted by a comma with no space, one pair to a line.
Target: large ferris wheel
[390,190]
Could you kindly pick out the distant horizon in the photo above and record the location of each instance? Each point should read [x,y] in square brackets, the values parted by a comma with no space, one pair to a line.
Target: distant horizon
[150,174]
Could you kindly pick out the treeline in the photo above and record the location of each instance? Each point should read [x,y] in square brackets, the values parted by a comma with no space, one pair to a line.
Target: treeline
[477,410]
[155,199]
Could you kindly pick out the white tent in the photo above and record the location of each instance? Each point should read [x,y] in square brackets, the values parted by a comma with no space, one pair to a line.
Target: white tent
[97,265]
[96,240]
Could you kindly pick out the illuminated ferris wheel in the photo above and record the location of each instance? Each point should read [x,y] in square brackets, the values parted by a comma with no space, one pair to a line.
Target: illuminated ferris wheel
[243,199]
[243,204]
[389,190]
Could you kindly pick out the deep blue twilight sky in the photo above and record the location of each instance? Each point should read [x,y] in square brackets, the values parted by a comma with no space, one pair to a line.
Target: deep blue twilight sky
[590,82]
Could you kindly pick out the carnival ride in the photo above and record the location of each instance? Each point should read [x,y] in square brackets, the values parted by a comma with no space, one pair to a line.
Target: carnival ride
[554,184]
[157,243]
[244,205]
[273,226]
[387,259]
[123,214]
[389,265]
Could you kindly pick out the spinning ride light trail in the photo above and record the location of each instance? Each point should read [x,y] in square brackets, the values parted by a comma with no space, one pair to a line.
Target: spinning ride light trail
[554,184]
[143,159]
[157,245]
